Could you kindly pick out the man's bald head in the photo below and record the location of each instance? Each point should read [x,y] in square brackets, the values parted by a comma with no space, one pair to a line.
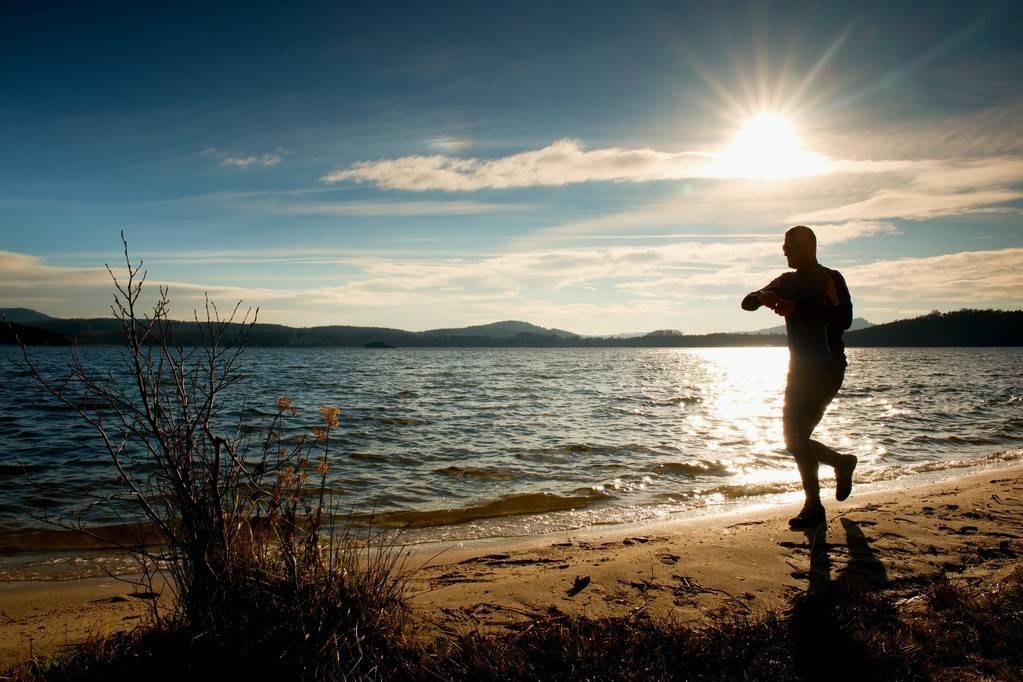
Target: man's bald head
[800,246]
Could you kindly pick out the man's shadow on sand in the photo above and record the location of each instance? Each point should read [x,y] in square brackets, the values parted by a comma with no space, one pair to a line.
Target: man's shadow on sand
[863,568]
[823,620]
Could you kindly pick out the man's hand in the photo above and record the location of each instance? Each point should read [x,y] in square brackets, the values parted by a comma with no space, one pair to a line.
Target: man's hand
[768,299]
[783,308]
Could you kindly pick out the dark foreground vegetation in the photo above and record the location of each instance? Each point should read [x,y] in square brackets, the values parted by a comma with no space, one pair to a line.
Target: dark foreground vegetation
[959,328]
[932,629]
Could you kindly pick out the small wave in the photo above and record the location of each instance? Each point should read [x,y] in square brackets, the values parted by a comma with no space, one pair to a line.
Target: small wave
[19,469]
[477,473]
[678,400]
[597,452]
[952,440]
[368,457]
[889,473]
[47,566]
[513,505]
[740,490]
[690,468]
[398,421]
[383,459]
[98,537]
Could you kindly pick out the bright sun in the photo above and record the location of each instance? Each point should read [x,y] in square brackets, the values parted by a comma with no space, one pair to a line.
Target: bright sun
[766,147]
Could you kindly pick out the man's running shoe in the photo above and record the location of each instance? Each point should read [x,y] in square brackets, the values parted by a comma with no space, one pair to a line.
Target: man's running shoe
[811,516]
[843,477]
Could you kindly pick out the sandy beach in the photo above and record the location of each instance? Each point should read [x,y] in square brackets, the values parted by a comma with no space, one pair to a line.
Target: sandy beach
[970,527]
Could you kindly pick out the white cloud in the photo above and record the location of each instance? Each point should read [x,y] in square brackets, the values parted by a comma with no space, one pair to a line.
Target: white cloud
[560,163]
[231,159]
[970,277]
[566,161]
[846,190]
[694,285]
[22,271]
[371,280]
[936,189]
[265,160]
[911,205]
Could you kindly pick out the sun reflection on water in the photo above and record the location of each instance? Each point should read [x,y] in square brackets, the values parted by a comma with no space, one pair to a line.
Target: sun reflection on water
[744,407]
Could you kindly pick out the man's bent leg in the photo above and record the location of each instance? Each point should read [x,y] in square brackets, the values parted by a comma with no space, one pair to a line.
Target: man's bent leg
[803,453]
[825,455]
[804,405]
[812,514]
[800,414]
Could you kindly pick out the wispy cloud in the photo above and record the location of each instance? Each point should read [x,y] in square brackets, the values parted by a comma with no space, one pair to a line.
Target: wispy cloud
[567,161]
[235,160]
[560,163]
[938,189]
[392,208]
[450,144]
[390,280]
[643,286]
[912,189]
[266,161]
[968,277]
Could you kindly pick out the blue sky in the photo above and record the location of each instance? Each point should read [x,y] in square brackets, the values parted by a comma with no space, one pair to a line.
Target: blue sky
[601,167]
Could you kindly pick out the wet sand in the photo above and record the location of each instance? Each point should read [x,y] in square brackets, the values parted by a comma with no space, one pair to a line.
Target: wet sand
[970,526]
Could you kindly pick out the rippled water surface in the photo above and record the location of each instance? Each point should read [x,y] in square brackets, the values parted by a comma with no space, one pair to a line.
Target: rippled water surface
[475,442]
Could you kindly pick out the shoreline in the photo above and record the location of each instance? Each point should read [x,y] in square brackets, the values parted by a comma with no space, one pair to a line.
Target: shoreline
[969,525]
[76,556]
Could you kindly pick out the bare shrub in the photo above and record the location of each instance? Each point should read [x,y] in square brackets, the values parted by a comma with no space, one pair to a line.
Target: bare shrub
[242,528]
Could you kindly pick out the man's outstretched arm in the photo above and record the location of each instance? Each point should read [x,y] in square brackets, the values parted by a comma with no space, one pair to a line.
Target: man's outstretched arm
[755,299]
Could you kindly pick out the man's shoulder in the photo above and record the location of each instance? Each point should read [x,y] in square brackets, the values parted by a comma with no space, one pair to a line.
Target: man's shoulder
[832,272]
[782,279]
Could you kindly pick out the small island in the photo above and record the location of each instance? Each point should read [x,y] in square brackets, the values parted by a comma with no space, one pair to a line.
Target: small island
[378,344]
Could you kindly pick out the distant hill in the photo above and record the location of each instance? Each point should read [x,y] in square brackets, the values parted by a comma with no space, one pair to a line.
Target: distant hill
[961,328]
[500,330]
[30,336]
[23,315]
[857,324]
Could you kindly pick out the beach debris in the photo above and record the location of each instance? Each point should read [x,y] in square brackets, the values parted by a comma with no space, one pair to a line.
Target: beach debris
[116,599]
[454,577]
[579,585]
[642,584]
[669,559]
[1003,551]
[745,523]
[144,595]
[486,558]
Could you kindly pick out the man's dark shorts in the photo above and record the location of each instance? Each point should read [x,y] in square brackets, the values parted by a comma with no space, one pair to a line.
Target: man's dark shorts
[808,393]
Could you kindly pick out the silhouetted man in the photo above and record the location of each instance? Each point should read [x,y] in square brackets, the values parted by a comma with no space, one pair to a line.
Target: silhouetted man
[815,303]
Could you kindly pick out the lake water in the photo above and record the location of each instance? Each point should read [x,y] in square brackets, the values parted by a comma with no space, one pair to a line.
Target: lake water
[470,443]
